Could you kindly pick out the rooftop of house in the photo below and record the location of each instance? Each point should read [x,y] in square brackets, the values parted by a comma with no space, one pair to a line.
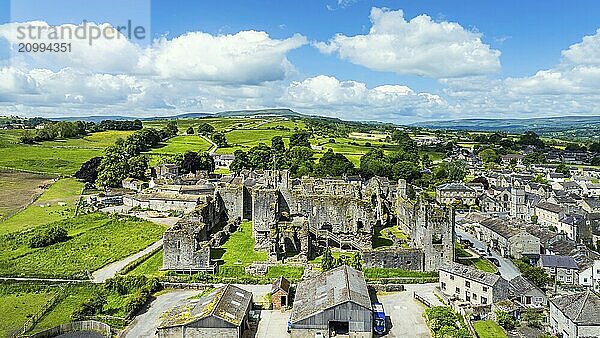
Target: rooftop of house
[581,308]
[549,207]
[519,286]
[281,283]
[473,274]
[558,261]
[455,187]
[329,289]
[228,303]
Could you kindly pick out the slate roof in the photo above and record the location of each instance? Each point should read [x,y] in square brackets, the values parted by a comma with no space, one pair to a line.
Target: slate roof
[549,206]
[520,286]
[329,289]
[581,308]
[566,262]
[228,303]
[281,283]
[455,187]
[471,273]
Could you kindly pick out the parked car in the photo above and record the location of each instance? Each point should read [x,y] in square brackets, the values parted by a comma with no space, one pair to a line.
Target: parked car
[378,318]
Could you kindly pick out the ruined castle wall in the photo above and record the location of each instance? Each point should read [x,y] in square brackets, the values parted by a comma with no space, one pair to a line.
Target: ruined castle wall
[182,251]
[233,201]
[397,258]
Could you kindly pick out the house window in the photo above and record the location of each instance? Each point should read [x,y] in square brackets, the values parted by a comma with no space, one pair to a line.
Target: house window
[451,277]
[474,296]
[443,286]
[485,289]
[457,291]
[483,300]
[467,284]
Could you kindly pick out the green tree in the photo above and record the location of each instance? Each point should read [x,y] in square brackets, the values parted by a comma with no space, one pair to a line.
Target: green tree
[277,144]
[563,169]
[220,140]
[356,261]
[300,139]
[171,128]
[457,170]
[533,318]
[530,138]
[328,261]
[489,155]
[137,166]
[505,320]
[205,128]
[239,162]
[190,131]
[193,162]
[407,170]
[334,165]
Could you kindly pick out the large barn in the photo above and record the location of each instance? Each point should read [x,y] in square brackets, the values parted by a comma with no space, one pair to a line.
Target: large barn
[336,302]
[222,313]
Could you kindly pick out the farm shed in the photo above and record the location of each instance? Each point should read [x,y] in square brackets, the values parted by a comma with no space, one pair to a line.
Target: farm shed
[222,313]
[336,302]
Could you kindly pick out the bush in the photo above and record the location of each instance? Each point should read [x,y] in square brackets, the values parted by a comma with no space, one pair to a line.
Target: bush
[505,320]
[90,307]
[48,236]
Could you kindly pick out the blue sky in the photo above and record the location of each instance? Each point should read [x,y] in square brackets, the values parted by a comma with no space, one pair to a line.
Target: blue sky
[514,58]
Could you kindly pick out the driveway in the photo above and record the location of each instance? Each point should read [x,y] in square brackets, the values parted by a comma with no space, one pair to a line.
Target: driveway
[406,313]
[109,271]
[507,269]
[273,323]
[145,324]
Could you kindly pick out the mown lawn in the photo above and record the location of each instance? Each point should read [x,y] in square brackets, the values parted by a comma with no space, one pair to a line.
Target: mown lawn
[17,189]
[488,329]
[182,144]
[292,273]
[99,140]
[56,203]
[95,241]
[18,303]
[239,248]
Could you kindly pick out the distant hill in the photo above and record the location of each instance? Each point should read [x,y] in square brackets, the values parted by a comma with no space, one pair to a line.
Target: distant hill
[547,125]
[232,113]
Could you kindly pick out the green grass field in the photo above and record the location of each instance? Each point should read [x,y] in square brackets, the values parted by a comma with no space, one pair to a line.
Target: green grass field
[182,144]
[61,313]
[95,241]
[56,203]
[245,139]
[17,305]
[488,329]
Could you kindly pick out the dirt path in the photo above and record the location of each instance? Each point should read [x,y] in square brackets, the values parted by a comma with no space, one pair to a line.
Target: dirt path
[109,271]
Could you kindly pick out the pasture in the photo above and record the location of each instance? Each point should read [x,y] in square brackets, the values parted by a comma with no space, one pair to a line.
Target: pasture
[57,202]
[182,144]
[17,189]
[18,302]
[95,240]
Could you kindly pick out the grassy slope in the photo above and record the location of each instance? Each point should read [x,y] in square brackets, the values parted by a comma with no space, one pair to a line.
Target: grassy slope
[63,157]
[96,240]
[488,329]
[182,144]
[15,308]
[150,267]
[46,209]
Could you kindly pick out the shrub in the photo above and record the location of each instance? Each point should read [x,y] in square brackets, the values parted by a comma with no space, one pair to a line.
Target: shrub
[48,236]
[505,320]
[90,307]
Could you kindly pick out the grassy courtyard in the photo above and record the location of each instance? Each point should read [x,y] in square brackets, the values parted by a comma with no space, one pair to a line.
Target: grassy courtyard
[239,248]
[95,240]
[56,203]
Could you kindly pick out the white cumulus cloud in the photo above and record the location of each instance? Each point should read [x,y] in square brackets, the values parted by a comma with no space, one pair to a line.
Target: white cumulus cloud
[419,46]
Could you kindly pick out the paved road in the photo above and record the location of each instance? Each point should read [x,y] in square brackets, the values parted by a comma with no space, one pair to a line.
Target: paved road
[214,146]
[405,312]
[109,271]
[507,269]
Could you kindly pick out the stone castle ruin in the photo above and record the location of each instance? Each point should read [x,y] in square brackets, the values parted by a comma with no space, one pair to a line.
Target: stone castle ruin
[299,218]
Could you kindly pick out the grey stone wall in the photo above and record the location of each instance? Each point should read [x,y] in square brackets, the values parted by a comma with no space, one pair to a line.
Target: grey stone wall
[398,258]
